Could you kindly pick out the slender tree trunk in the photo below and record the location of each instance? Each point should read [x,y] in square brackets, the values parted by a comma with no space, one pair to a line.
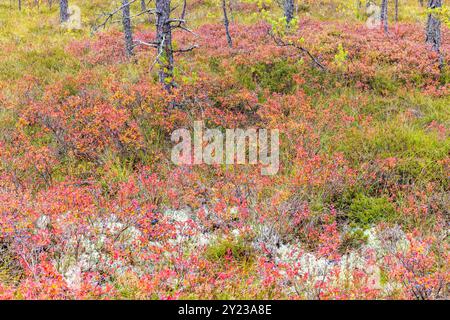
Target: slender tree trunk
[127,31]
[433,32]
[289,10]
[20,4]
[63,10]
[144,8]
[396,10]
[226,23]
[384,15]
[164,41]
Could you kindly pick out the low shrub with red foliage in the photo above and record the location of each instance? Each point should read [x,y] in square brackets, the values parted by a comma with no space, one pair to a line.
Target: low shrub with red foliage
[92,207]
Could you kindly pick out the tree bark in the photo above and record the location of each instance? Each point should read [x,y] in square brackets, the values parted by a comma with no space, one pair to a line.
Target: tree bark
[384,15]
[63,10]
[433,32]
[127,31]
[289,10]
[396,10]
[226,23]
[164,42]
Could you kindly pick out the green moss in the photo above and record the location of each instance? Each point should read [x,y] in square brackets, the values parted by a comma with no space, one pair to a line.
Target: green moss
[445,75]
[384,277]
[275,76]
[215,65]
[365,211]
[418,151]
[42,63]
[235,248]
[10,269]
[383,83]
[81,169]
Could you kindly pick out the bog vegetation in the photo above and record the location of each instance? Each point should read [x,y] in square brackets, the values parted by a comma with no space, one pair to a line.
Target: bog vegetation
[91,207]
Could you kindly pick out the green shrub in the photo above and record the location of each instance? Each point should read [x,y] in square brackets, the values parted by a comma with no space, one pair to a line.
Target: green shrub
[418,151]
[275,76]
[365,211]
[383,83]
[214,64]
[10,269]
[445,75]
[235,248]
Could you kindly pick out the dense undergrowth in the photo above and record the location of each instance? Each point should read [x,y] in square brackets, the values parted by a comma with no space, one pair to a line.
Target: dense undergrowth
[92,207]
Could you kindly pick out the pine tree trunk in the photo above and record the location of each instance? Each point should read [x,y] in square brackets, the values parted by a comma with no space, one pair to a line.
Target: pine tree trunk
[63,10]
[226,23]
[384,15]
[396,10]
[127,31]
[289,10]
[433,32]
[164,41]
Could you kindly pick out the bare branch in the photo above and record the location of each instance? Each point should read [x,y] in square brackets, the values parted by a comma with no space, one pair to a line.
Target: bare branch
[187,30]
[148,44]
[109,16]
[183,12]
[160,51]
[186,49]
[279,42]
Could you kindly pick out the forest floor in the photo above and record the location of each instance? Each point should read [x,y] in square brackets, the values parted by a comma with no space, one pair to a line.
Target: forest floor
[91,205]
